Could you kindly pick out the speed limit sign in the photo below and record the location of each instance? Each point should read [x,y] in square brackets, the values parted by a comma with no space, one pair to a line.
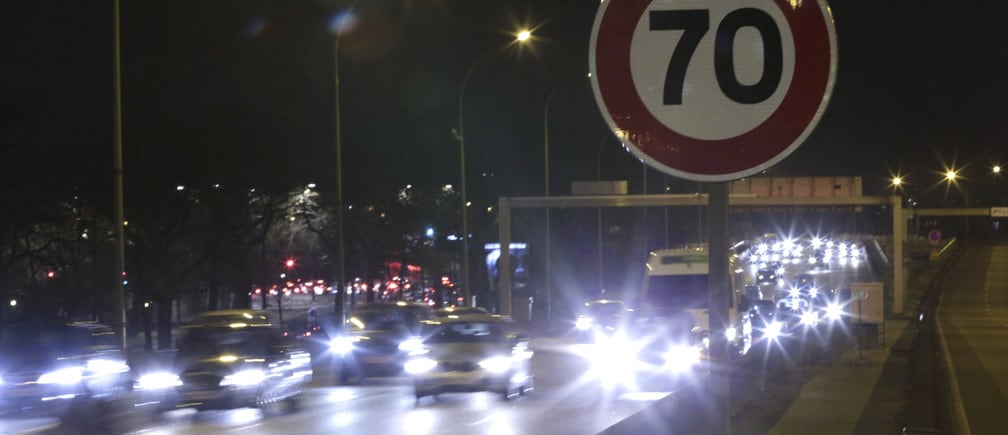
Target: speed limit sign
[712,90]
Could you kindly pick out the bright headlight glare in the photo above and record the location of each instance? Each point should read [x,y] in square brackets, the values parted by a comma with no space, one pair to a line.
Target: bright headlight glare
[681,358]
[107,367]
[497,364]
[583,323]
[66,376]
[244,378]
[773,330]
[731,332]
[342,345]
[809,318]
[419,365]
[411,345]
[158,381]
[834,311]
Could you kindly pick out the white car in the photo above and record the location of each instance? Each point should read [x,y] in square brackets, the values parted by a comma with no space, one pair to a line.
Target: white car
[470,353]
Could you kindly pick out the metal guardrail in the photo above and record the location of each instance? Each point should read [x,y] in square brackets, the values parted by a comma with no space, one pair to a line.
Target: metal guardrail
[929,401]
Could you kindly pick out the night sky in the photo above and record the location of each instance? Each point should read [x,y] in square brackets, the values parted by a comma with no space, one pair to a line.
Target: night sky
[241,92]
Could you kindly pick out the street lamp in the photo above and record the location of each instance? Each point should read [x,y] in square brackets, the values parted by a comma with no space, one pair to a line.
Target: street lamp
[520,37]
[339,26]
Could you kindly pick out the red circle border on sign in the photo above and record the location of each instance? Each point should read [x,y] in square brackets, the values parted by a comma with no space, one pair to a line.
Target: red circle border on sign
[722,159]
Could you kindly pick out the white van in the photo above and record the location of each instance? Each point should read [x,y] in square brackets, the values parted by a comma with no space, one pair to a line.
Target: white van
[678,279]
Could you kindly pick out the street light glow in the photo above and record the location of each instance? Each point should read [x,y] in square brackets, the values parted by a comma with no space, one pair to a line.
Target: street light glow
[996,169]
[950,175]
[897,181]
[523,36]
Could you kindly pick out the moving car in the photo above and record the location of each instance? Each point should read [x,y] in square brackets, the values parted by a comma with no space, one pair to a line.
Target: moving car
[230,365]
[600,317]
[458,311]
[61,369]
[378,339]
[470,353]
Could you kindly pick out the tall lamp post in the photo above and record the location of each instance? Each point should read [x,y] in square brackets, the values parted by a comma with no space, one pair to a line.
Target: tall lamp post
[339,28]
[521,36]
[120,232]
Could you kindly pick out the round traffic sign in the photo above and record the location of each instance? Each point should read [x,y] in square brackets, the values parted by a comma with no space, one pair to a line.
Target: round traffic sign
[712,90]
[934,236]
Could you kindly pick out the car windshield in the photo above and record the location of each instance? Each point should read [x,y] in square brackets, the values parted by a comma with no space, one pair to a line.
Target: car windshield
[61,339]
[215,341]
[607,309]
[683,291]
[468,332]
[382,319]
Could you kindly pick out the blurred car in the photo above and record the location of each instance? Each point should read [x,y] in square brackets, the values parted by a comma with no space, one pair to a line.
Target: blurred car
[377,339]
[61,369]
[658,347]
[227,317]
[818,259]
[602,316]
[458,311]
[230,365]
[767,275]
[470,353]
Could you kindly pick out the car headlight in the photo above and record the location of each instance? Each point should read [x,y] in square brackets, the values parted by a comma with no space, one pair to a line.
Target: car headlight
[65,376]
[809,318]
[834,311]
[342,345]
[244,378]
[731,332]
[773,330]
[419,365]
[158,381]
[497,364]
[583,323]
[681,358]
[411,345]
[102,367]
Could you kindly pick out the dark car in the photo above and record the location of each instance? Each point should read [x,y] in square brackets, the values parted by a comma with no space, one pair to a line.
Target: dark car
[458,311]
[377,339]
[602,316]
[60,369]
[767,275]
[470,353]
[658,347]
[227,366]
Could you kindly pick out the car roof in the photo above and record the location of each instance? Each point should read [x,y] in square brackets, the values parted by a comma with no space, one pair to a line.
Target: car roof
[246,316]
[390,305]
[470,317]
[460,310]
[603,302]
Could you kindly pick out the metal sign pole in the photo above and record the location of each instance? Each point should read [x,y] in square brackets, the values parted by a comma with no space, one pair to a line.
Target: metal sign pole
[719,292]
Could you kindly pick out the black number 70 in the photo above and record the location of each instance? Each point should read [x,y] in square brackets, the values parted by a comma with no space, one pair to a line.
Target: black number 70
[694,24]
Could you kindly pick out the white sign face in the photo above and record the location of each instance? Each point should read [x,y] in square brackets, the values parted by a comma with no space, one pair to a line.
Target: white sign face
[999,212]
[712,90]
[705,112]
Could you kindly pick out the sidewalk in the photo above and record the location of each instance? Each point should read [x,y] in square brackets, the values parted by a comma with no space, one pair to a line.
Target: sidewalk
[833,402]
[865,392]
